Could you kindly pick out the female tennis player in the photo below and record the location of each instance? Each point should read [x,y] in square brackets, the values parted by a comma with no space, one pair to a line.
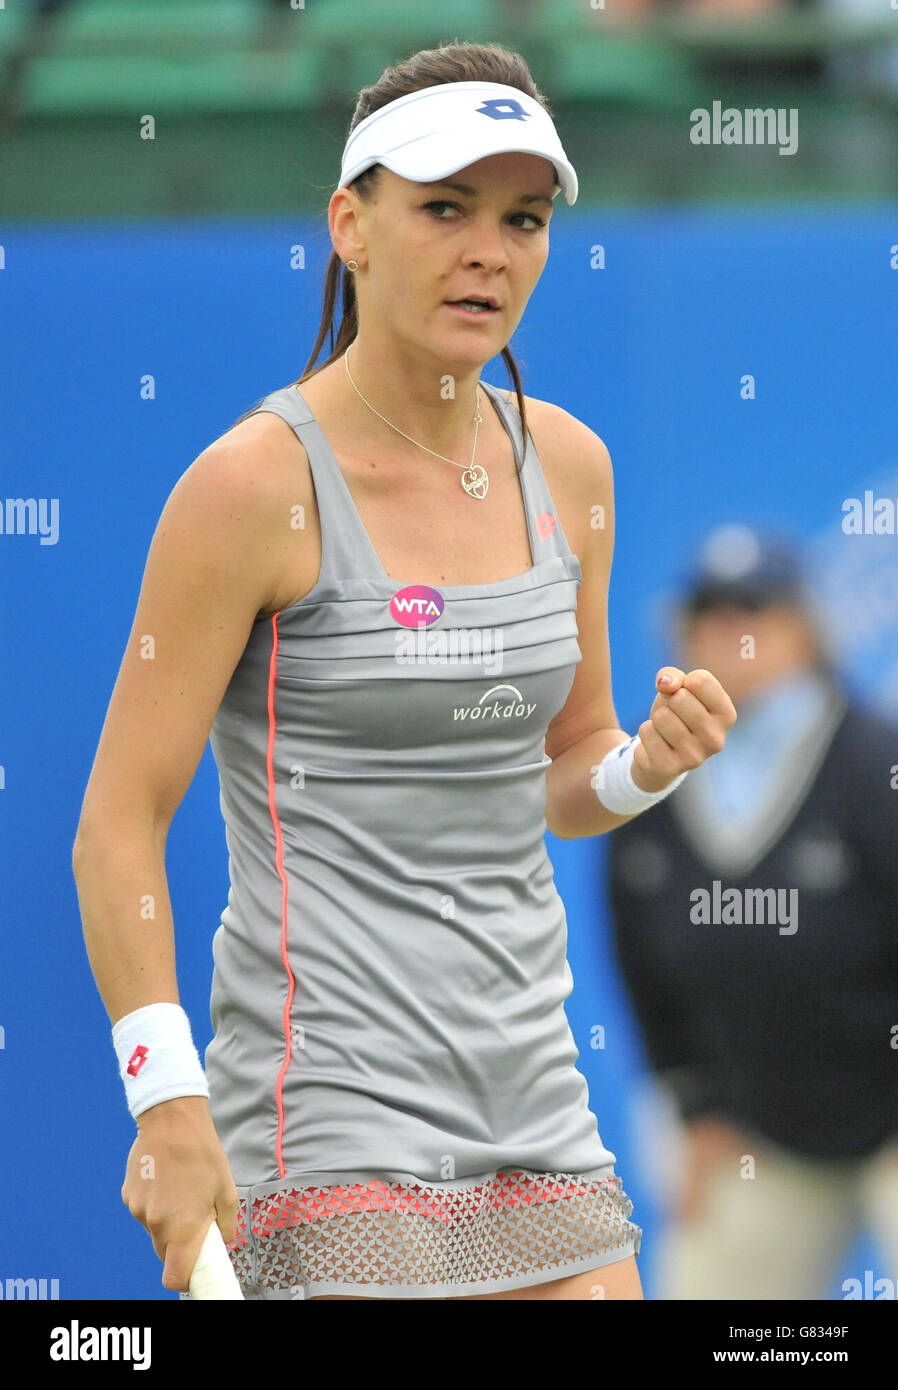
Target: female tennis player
[382,595]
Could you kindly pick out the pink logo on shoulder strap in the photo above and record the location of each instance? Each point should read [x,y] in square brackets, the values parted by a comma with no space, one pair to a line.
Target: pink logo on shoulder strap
[417,605]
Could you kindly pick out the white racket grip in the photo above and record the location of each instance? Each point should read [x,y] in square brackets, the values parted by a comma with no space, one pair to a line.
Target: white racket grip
[213,1274]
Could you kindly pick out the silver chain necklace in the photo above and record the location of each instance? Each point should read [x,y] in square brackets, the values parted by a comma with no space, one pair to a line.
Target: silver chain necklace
[474,479]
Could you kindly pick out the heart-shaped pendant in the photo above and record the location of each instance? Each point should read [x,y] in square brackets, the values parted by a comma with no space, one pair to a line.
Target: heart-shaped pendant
[475,482]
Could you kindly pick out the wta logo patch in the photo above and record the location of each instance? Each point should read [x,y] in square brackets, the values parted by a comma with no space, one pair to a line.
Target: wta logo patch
[503,109]
[417,605]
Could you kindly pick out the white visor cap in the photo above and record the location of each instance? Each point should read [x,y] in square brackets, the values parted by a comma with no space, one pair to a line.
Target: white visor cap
[438,130]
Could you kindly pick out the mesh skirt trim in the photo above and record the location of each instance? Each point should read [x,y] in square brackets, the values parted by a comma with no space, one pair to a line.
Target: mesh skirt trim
[412,1238]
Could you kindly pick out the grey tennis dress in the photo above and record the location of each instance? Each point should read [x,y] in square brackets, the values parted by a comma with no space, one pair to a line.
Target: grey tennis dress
[392,1075]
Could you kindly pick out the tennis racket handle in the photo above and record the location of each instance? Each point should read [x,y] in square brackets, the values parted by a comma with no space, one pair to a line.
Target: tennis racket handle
[213,1274]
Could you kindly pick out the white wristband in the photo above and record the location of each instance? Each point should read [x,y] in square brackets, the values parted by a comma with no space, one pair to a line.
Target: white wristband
[157,1059]
[613,784]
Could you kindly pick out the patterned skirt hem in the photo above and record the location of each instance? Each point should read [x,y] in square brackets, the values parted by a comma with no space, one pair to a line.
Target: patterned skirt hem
[383,1238]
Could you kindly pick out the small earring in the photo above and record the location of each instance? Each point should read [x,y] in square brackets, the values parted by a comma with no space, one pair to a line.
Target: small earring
[352,265]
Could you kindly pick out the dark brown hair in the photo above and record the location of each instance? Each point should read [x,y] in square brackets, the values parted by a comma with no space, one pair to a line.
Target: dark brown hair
[454,62]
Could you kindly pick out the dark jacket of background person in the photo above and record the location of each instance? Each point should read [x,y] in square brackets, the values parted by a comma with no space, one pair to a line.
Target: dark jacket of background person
[794,1037]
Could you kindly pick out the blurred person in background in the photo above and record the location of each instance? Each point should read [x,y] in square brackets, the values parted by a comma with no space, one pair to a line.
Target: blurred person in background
[772,1035]
[868,69]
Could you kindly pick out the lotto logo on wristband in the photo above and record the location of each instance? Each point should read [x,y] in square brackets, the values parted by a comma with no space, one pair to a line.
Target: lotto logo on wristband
[137,1059]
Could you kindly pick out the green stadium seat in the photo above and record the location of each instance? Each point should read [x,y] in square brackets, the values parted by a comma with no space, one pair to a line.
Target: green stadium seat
[404,25]
[350,70]
[357,40]
[14,26]
[552,21]
[633,71]
[133,84]
[97,26]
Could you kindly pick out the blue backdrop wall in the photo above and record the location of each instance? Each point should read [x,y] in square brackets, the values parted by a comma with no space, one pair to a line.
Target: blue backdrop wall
[643,325]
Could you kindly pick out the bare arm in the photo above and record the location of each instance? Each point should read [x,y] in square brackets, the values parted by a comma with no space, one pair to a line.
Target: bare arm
[216,560]
[587,727]
[686,723]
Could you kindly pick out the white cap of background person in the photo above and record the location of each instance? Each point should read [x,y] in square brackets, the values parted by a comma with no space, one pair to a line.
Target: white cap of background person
[438,130]
[754,568]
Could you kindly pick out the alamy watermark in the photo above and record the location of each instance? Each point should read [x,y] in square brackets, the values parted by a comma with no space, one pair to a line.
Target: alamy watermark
[872,516]
[79,1342]
[29,1288]
[870,1288]
[735,906]
[30,516]
[753,126]
[474,646]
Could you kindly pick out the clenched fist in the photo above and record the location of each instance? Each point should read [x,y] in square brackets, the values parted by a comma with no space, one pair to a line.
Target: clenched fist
[687,724]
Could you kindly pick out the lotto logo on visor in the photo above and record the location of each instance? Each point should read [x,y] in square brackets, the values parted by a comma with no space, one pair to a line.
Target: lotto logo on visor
[504,109]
